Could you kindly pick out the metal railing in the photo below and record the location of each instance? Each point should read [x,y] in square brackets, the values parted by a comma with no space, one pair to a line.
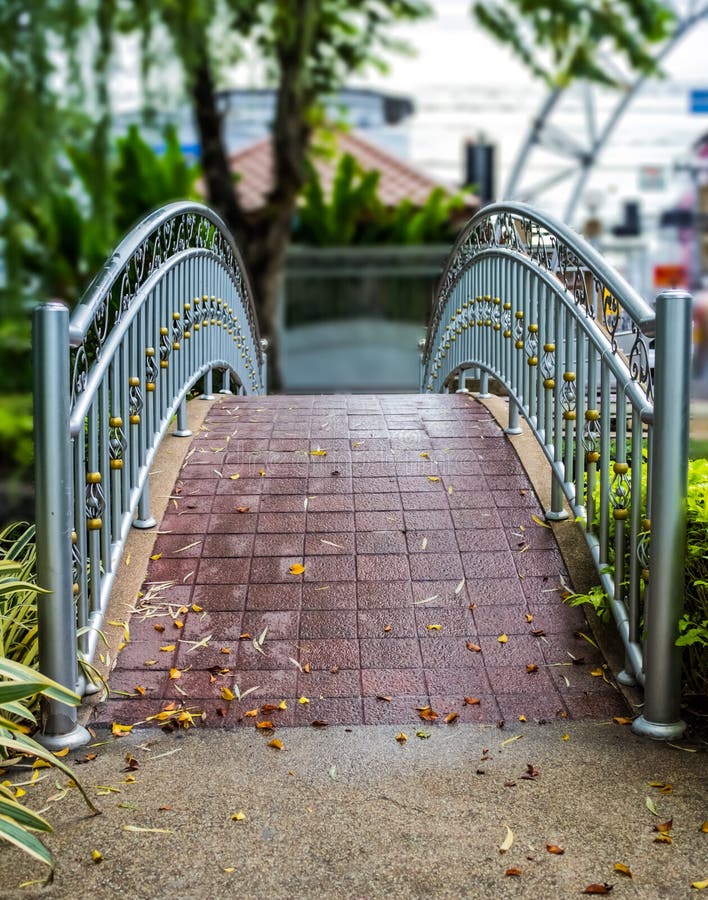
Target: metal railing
[171,304]
[526,301]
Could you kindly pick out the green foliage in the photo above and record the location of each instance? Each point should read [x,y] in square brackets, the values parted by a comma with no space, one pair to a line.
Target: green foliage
[18,595]
[19,685]
[355,215]
[693,627]
[565,39]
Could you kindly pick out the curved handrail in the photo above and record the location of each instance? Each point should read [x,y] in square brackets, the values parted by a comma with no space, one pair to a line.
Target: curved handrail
[161,234]
[553,247]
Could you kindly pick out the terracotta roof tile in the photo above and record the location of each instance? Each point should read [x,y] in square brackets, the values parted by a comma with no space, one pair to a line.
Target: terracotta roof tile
[398,180]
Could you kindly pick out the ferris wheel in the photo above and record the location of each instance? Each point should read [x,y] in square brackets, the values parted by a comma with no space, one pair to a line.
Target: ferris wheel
[568,157]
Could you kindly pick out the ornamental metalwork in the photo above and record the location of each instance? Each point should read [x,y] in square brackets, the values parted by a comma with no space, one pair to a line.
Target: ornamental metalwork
[548,366]
[543,245]
[568,396]
[170,234]
[591,435]
[620,491]
[95,501]
[117,443]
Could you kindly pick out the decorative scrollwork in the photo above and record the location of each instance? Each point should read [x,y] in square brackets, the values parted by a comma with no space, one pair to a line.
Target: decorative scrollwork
[95,501]
[620,491]
[568,396]
[548,366]
[117,443]
[135,400]
[591,435]
[537,242]
[143,254]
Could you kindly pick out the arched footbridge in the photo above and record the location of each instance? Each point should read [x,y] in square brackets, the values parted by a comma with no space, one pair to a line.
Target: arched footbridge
[361,559]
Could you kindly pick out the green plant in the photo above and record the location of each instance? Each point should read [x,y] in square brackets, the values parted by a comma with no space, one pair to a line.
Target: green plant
[18,686]
[18,595]
[16,432]
[693,627]
[355,215]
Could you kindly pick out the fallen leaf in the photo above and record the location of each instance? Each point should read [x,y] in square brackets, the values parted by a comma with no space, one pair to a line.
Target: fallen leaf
[622,720]
[319,723]
[530,773]
[472,701]
[265,726]
[513,872]
[529,618]
[531,668]
[434,627]
[225,651]
[262,473]
[401,737]
[383,697]
[450,717]
[168,648]
[427,714]
[522,718]
[425,455]
[603,888]
[303,701]
[433,478]
[503,638]
[275,744]
[511,740]
[387,628]
[700,885]
[243,509]
[156,556]
[704,827]
[228,694]
[664,827]
[138,829]
[540,522]
[196,608]
[118,729]
[332,772]
[508,840]
[663,839]
[651,807]
[554,848]
[235,477]
[96,856]
[422,735]
[565,737]
[62,752]
[623,870]
[318,453]
[158,626]
[597,673]
[460,586]
[538,632]
[297,569]
[475,648]
[239,816]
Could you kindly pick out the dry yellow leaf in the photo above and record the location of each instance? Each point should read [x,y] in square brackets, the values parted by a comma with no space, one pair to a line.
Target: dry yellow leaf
[196,608]
[596,673]
[297,569]
[139,689]
[156,556]
[227,694]
[540,522]
[239,816]
[554,848]
[508,840]
[265,726]
[565,737]
[262,473]
[704,827]
[168,648]
[275,744]
[303,701]
[425,455]
[235,477]
[529,618]
[401,737]
[503,638]
[250,713]
[663,839]
[175,674]
[318,453]
[96,856]
[449,489]
[119,729]
[622,720]
[434,627]
[513,872]
[433,478]
[62,752]
[282,705]
[522,718]
[623,870]
[700,885]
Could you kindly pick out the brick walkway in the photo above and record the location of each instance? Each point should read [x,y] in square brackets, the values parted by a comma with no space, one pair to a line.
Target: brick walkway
[413,518]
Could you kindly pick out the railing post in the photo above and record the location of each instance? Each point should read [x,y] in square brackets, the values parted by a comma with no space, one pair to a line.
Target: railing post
[145,517]
[183,429]
[56,613]
[461,389]
[264,365]
[484,385]
[661,715]
[208,386]
[557,512]
[226,382]
[513,427]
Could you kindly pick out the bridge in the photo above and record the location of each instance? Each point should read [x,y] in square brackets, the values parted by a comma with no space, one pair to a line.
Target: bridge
[362,559]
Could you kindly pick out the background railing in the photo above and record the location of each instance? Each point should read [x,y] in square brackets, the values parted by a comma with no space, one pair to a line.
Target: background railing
[171,304]
[526,301]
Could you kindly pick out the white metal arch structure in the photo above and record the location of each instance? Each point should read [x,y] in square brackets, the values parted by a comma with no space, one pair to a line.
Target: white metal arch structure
[576,152]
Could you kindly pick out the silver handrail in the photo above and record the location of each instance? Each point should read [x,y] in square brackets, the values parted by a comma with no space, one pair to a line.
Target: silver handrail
[525,301]
[171,304]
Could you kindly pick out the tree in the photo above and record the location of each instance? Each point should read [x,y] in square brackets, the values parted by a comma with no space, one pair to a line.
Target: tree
[310,48]
[564,40]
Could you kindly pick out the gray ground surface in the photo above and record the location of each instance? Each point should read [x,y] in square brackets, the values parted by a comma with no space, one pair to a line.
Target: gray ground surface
[342,814]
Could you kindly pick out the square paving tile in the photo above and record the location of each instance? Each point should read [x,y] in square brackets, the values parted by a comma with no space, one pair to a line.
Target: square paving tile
[326,653]
[390,653]
[329,595]
[393,682]
[325,544]
[382,567]
[328,624]
[383,594]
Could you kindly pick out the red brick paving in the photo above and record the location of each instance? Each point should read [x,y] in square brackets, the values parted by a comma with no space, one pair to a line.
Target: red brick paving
[387,536]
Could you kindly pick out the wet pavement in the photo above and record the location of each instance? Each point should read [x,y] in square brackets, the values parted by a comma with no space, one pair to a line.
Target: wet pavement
[430,583]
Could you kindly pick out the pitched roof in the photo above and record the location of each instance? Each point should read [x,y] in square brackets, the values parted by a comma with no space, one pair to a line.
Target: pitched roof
[398,180]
